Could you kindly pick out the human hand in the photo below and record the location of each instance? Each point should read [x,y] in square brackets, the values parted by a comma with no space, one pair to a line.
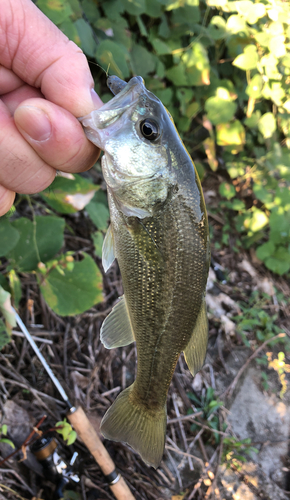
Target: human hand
[45,84]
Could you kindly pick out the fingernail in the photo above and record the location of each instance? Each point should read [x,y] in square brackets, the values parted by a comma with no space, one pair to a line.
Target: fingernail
[96,99]
[34,122]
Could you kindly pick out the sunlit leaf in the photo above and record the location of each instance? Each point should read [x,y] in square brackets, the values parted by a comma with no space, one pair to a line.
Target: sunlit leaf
[220,110]
[247,60]
[232,135]
[67,195]
[254,89]
[267,125]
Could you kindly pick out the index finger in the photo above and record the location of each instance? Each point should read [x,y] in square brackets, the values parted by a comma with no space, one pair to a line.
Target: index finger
[42,56]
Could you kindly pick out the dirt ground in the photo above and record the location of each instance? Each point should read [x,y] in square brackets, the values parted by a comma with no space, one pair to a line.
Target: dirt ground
[194,464]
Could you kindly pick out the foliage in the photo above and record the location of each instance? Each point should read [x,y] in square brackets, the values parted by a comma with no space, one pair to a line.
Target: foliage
[209,406]
[255,319]
[234,451]
[3,432]
[69,283]
[9,318]
[222,68]
[281,368]
[66,431]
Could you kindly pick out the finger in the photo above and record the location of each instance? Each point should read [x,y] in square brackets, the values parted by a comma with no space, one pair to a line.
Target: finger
[55,135]
[13,99]
[8,80]
[6,200]
[21,169]
[43,57]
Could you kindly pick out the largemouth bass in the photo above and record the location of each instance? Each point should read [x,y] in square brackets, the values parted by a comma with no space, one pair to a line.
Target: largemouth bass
[159,235]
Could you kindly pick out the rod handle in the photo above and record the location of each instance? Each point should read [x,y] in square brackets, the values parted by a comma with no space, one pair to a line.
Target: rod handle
[88,435]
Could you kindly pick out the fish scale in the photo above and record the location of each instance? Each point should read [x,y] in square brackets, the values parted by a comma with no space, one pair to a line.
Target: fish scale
[159,236]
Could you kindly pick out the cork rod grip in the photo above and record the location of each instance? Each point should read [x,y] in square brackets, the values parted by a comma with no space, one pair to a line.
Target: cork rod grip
[88,435]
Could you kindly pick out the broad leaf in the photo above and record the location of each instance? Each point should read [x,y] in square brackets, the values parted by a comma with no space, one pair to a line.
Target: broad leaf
[37,243]
[9,236]
[75,291]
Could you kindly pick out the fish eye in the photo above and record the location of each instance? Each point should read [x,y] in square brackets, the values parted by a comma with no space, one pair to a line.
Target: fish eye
[149,129]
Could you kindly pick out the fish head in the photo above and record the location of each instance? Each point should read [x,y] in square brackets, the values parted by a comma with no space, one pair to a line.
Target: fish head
[135,130]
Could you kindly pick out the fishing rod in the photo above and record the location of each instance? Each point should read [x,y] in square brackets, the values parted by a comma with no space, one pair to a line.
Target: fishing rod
[84,428]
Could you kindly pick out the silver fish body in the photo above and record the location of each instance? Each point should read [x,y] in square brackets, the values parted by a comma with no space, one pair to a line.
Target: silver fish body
[159,235]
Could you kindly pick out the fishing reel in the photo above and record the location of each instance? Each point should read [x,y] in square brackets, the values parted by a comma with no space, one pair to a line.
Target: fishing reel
[55,468]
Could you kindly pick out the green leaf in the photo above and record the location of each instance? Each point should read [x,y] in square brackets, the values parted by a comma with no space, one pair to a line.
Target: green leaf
[265,250]
[220,108]
[217,28]
[252,121]
[98,211]
[231,135]
[9,236]
[7,441]
[267,125]
[114,58]
[75,291]
[153,8]
[56,10]
[15,286]
[257,221]
[4,335]
[68,195]
[254,89]
[98,240]
[143,62]
[5,307]
[247,60]
[41,241]
[88,43]
[134,7]
[160,47]
[71,438]
[177,75]
[277,46]
[197,65]
[277,266]
[69,29]
[227,190]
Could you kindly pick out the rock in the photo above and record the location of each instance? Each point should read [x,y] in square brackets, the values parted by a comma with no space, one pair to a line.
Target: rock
[249,483]
[265,419]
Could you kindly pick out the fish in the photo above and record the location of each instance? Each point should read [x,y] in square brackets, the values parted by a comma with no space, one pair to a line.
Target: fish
[160,238]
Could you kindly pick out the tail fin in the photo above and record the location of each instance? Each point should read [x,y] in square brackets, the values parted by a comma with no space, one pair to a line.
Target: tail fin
[128,421]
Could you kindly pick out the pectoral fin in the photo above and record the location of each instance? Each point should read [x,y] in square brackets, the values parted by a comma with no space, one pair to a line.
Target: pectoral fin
[196,348]
[108,254]
[116,330]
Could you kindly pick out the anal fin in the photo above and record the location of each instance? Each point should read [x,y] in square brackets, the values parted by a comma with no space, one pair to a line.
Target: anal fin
[116,330]
[195,350]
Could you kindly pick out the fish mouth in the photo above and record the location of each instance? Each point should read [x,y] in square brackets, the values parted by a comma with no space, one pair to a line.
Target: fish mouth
[97,122]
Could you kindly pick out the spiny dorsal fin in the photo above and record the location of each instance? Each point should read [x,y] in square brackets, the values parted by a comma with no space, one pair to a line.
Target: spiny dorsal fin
[116,330]
[108,254]
[195,350]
